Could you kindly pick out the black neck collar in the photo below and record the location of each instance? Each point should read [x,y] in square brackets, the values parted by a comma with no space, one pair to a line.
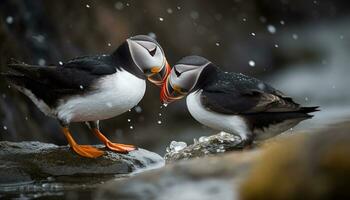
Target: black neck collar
[124,61]
[207,76]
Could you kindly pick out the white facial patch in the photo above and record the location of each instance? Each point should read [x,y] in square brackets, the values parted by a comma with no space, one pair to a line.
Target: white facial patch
[146,55]
[186,76]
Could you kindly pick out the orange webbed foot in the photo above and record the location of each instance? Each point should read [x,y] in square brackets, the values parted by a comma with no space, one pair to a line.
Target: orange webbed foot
[120,148]
[87,151]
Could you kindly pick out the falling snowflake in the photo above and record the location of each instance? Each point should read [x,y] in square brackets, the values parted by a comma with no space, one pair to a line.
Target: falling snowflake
[169,10]
[9,19]
[271,29]
[295,36]
[109,104]
[39,38]
[138,109]
[119,5]
[251,63]
[41,61]
[194,15]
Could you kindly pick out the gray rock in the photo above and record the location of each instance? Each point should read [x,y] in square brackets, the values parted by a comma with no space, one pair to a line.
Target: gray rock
[314,164]
[210,145]
[26,161]
[198,179]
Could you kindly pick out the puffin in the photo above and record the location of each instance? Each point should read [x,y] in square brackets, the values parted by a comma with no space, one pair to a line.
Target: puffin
[232,102]
[88,89]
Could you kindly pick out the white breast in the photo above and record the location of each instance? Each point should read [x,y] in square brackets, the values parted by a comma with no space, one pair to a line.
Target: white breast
[228,123]
[114,94]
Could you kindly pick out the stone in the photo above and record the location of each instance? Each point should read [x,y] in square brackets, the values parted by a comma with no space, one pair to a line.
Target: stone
[26,161]
[313,164]
[304,166]
[203,179]
[211,145]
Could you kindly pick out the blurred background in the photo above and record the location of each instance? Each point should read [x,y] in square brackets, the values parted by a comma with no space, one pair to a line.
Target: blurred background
[300,47]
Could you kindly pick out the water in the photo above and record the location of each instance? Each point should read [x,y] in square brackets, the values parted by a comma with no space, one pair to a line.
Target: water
[56,187]
[176,146]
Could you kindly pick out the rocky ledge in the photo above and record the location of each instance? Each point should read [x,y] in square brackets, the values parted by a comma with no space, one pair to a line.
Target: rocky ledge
[312,164]
[28,161]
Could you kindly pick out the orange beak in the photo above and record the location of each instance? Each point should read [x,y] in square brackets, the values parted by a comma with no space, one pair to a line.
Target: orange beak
[169,93]
[164,94]
[159,76]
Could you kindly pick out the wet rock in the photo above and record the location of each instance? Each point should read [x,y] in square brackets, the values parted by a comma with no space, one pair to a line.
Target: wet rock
[305,166]
[210,145]
[203,179]
[298,166]
[26,161]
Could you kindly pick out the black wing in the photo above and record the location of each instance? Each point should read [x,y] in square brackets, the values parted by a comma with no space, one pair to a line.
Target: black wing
[51,83]
[239,94]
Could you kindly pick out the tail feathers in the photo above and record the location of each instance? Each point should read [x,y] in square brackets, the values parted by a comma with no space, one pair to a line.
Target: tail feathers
[20,69]
[307,110]
[15,78]
[310,109]
[28,70]
[20,73]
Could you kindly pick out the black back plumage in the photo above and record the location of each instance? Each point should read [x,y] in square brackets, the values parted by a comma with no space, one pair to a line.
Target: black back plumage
[76,76]
[233,93]
[259,103]
[51,83]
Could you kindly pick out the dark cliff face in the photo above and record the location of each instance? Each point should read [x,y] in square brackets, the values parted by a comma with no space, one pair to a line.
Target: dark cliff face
[231,33]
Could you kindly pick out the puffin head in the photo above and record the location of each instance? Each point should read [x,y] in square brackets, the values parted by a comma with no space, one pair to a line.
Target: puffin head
[149,57]
[183,78]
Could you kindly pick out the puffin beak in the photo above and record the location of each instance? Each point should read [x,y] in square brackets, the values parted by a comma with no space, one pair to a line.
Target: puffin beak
[170,93]
[159,75]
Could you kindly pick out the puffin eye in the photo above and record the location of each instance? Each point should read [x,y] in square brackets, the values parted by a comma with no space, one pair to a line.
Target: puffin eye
[153,51]
[178,74]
